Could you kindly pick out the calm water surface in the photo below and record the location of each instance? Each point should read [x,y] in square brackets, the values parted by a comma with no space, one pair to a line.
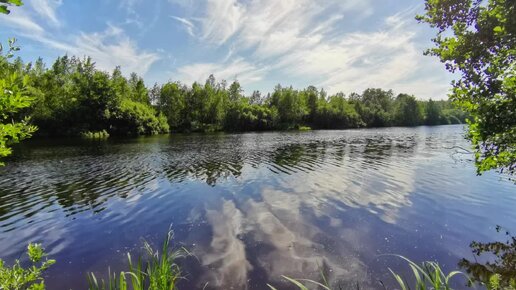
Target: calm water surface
[252,207]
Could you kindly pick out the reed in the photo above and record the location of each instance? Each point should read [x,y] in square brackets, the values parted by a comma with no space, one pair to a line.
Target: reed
[159,271]
[98,135]
[427,276]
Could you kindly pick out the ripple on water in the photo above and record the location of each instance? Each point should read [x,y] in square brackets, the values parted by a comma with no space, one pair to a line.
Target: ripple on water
[254,205]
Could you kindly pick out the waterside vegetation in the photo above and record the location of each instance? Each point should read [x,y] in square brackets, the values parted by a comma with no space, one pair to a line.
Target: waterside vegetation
[72,97]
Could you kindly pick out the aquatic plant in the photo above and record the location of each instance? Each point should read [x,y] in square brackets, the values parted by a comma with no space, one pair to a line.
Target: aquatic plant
[304,128]
[299,283]
[18,277]
[159,272]
[98,135]
[428,275]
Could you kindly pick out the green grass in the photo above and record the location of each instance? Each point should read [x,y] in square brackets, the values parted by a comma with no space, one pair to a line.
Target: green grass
[159,271]
[427,276]
[304,128]
[99,135]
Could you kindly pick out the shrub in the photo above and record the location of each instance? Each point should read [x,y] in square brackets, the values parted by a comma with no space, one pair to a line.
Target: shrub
[19,278]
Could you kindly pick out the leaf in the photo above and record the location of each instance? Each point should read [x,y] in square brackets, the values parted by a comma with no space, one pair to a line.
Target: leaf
[295,282]
[4,10]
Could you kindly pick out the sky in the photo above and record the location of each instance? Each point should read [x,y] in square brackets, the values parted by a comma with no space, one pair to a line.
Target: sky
[339,45]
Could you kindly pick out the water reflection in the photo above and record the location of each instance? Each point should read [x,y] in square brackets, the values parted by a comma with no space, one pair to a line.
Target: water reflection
[251,207]
[82,180]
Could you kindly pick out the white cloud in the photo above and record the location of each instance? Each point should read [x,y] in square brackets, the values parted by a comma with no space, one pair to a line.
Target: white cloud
[245,72]
[47,9]
[256,22]
[307,41]
[112,48]
[188,25]
[221,20]
[20,20]
[387,58]
[108,49]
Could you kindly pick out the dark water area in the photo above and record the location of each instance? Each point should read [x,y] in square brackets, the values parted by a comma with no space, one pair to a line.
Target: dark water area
[252,207]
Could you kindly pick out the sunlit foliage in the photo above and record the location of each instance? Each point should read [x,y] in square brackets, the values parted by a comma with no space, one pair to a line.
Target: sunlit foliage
[477,39]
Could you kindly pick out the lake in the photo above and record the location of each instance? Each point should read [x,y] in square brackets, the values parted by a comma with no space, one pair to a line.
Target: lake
[252,207]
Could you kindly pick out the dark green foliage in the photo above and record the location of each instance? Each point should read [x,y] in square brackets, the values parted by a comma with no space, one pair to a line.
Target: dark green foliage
[215,107]
[433,113]
[478,40]
[407,111]
[73,97]
[337,113]
[134,118]
[243,116]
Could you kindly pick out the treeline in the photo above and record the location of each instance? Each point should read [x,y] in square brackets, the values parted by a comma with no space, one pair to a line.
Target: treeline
[72,97]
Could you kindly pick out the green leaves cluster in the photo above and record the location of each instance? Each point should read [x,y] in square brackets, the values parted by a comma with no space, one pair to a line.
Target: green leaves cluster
[18,277]
[214,106]
[4,5]
[478,40]
[73,97]
[13,99]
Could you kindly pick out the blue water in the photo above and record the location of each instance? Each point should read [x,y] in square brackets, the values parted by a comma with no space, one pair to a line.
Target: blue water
[252,207]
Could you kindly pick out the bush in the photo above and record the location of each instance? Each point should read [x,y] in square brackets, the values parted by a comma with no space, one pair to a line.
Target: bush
[19,278]
[99,135]
[134,118]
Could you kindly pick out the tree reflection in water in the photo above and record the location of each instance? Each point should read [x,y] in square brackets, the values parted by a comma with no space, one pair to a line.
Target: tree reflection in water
[503,265]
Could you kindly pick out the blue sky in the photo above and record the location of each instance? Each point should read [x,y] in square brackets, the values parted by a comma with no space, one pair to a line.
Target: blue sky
[338,45]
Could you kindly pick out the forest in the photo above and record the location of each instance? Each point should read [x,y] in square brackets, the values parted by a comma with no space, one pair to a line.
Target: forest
[72,98]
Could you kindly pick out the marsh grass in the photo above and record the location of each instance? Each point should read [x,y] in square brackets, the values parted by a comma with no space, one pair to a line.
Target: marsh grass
[99,135]
[154,271]
[304,128]
[428,275]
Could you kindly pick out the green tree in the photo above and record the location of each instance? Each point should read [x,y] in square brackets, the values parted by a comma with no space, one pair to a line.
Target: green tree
[375,107]
[235,91]
[311,96]
[290,106]
[13,99]
[433,113]
[407,111]
[478,40]
[172,104]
